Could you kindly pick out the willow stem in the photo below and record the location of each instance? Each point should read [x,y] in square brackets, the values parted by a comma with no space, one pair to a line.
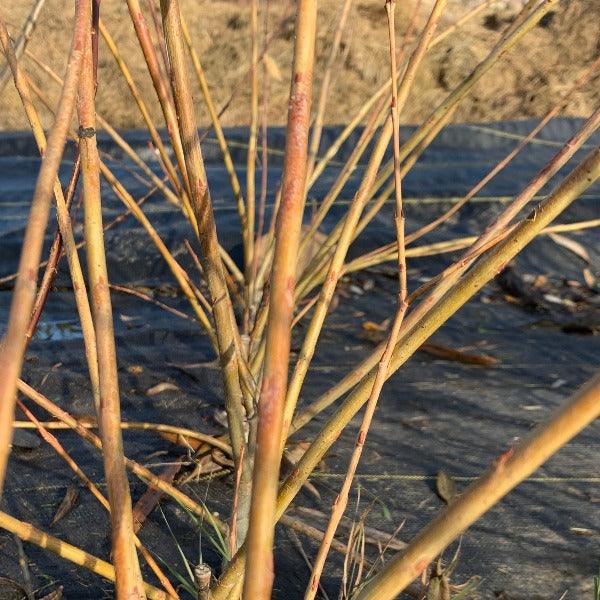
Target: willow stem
[89,484]
[226,329]
[129,583]
[259,580]
[336,263]
[29,533]
[12,347]
[65,229]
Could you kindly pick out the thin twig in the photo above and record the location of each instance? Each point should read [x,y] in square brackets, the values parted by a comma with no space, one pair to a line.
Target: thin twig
[249,231]
[140,471]
[23,39]
[341,501]
[317,128]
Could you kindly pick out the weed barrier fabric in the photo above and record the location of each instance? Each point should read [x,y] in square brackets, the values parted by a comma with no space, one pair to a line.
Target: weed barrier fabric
[433,414]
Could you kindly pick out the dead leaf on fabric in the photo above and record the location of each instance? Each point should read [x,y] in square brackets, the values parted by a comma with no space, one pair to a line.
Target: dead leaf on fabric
[159,388]
[445,486]
[67,504]
[572,245]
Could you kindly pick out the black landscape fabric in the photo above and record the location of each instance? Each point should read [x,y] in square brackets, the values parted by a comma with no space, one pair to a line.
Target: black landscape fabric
[539,319]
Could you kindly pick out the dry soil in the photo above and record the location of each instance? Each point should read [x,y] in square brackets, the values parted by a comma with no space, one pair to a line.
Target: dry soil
[526,83]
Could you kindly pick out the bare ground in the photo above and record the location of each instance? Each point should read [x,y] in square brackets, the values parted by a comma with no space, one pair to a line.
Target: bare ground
[525,84]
